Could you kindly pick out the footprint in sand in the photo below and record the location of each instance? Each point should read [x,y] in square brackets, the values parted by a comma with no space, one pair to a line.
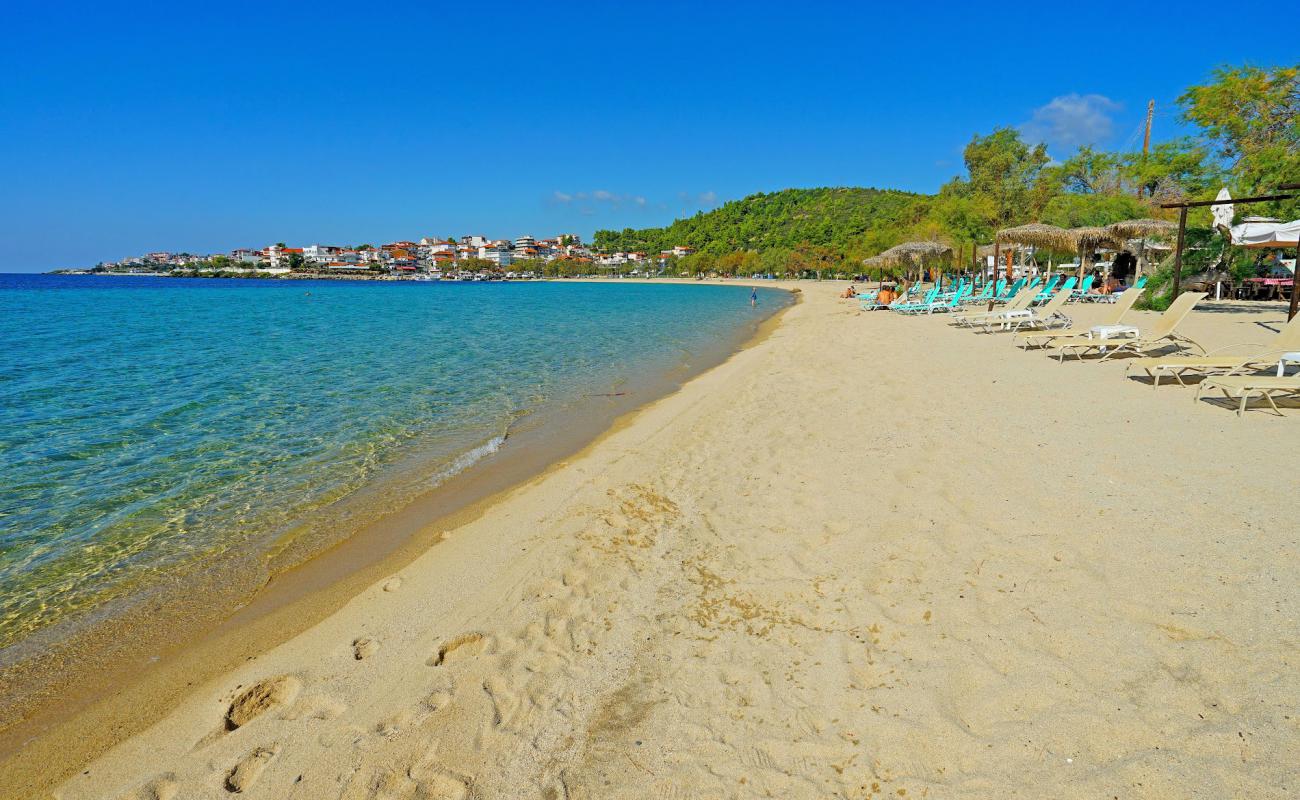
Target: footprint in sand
[437,700]
[321,707]
[249,769]
[164,787]
[463,646]
[392,584]
[259,698]
[364,648]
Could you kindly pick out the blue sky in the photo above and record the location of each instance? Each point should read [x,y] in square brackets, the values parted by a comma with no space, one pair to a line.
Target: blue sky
[126,128]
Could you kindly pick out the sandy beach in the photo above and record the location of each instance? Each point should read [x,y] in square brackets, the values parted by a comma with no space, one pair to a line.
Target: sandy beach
[868,556]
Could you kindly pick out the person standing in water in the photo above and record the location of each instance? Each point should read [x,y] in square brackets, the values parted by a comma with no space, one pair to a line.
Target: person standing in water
[753,297]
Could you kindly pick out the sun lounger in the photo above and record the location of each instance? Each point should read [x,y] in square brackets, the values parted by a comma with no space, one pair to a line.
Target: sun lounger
[1043,338]
[1048,316]
[1082,292]
[952,304]
[1046,293]
[1014,318]
[1218,362]
[984,296]
[1020,301]
[1114,296]
[1163,334]
[922,306]
[1244,387]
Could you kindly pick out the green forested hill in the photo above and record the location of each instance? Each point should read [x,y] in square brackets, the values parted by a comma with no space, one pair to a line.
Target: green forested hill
[1246,137]
[845,219]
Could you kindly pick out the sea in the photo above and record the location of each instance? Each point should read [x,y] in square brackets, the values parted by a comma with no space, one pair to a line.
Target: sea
[152,427]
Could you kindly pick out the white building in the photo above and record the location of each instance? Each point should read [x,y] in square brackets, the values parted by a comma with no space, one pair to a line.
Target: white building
[320,253]
[498,253]
[278,257]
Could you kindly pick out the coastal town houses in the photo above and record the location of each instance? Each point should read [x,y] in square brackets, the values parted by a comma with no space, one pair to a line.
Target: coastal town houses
[320,253]
[430,255]
[278,256]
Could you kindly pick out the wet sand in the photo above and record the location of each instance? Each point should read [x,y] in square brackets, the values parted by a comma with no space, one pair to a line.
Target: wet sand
[868,556]
[77,689]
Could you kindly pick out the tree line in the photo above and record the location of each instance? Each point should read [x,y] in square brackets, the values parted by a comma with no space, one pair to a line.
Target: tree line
[1245,135]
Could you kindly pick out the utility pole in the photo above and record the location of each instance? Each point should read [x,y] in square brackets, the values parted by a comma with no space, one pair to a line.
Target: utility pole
[1146,140]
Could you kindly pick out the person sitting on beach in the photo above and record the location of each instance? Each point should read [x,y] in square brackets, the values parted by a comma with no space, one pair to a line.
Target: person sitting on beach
[849,293]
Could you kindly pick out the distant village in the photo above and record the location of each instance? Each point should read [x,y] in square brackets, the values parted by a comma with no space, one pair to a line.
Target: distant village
[470,258]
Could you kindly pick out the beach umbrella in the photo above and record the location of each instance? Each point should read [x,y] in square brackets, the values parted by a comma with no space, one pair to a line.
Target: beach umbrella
[916,254]
[1223,212]
[1036,234]
[878,263]
[1090,238]
[1142,229]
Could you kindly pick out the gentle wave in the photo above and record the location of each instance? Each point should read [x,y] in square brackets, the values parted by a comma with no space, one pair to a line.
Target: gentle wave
[466,460]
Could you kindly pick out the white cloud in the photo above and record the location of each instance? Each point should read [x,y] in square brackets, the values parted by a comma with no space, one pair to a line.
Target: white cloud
[1072,120]
[588,202]
[709,198]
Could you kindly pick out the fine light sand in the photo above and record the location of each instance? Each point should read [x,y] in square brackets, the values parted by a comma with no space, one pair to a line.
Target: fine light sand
[869,556]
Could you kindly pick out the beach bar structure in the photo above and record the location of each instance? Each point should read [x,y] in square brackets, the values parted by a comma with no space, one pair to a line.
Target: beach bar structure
[1141,229]
[1088,239]
[1222,200]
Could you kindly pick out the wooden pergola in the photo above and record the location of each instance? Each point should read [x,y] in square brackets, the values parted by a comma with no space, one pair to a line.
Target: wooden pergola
[1182,229]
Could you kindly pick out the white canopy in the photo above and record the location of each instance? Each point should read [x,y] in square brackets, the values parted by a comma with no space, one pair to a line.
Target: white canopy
[1266,234]
[1222,214]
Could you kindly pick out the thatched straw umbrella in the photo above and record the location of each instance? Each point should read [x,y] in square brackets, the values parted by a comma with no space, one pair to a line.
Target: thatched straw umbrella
[985,250]
[1035,234]
[1090,238]
[876,262]
[1142,229]
[916,254]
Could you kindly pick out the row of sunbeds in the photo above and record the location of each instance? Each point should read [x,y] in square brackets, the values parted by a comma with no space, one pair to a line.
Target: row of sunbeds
[1028,292]
[1241,372]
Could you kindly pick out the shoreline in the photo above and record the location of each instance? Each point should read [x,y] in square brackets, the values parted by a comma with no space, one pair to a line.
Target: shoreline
[868,556]
[125,694]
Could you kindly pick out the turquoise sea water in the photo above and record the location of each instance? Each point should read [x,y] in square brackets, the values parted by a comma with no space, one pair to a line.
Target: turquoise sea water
[153,424]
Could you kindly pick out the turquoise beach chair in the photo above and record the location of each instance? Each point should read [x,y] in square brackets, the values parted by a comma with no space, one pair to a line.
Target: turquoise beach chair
[985,295]
[870,301]
[1012,290]
[1082,292]
[1113,297]
[939,303]
[909,307]
[955,302]
[1047,291]
[1066,287]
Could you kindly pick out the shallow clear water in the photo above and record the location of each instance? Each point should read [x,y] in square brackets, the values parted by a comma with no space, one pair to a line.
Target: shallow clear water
[152,423]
